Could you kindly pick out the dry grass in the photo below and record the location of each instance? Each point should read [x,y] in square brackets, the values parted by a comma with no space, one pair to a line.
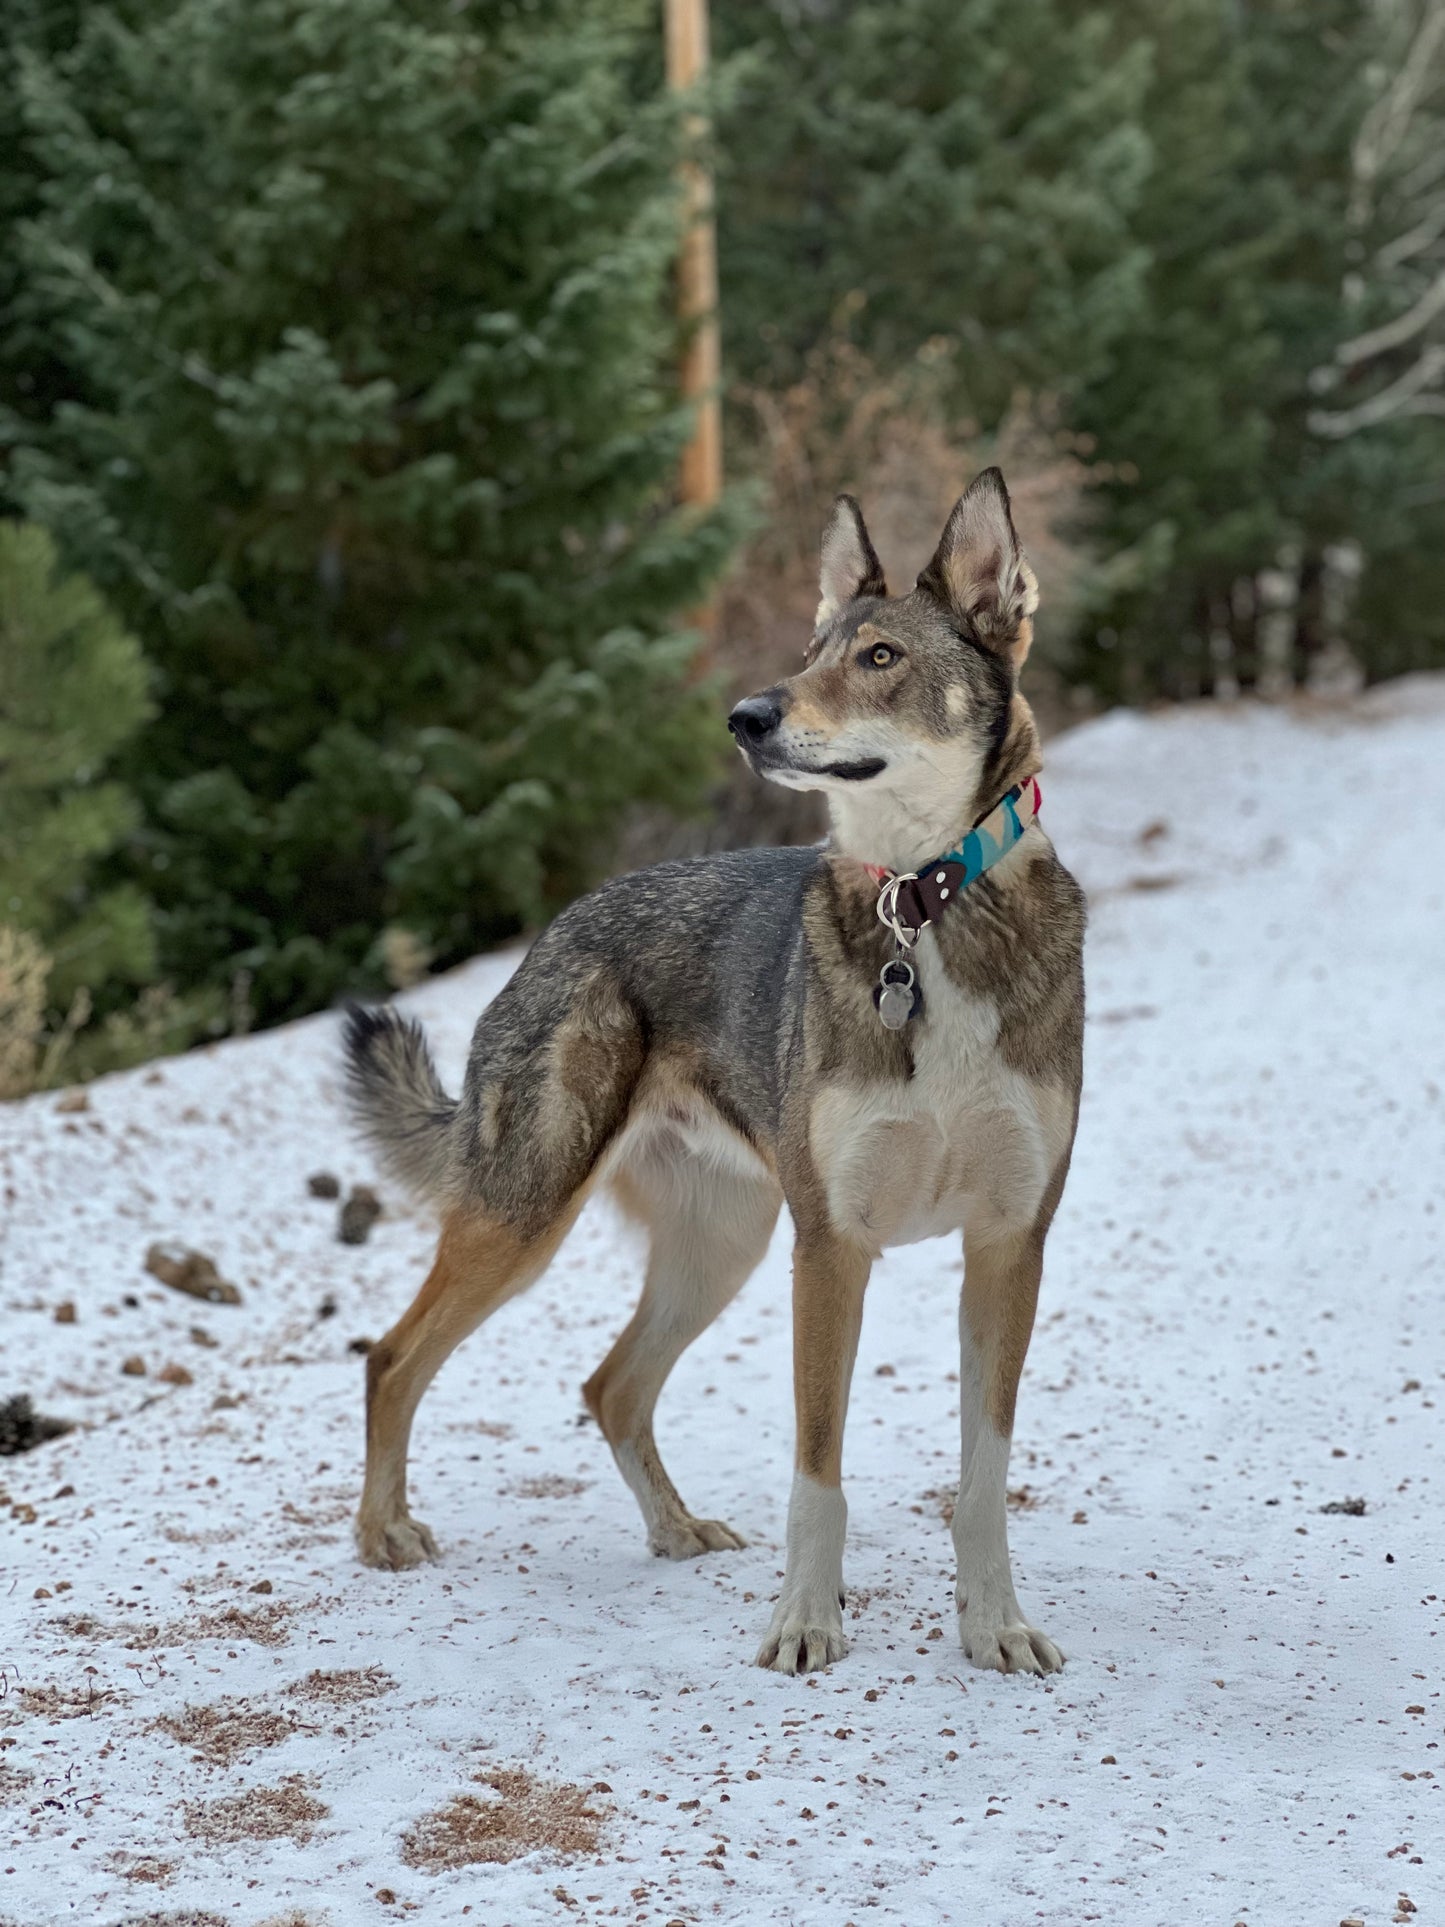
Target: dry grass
[527,1815]
[185,1917]
[343,1688]
[15,1784]
[24,973]
[70,1702]
[550,1485]
[284,1812]
[226,1730]
[143,1868]
[265,1625]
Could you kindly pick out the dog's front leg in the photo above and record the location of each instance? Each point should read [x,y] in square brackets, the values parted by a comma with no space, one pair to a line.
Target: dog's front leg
[996,1316]
[829,1277]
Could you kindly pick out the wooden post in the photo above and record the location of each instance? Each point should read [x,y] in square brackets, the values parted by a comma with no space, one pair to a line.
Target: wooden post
[701,479]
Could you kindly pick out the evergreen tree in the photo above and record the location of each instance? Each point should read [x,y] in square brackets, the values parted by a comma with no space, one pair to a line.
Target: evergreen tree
[72,691]
[362,306]
[1203,409]
[964,170]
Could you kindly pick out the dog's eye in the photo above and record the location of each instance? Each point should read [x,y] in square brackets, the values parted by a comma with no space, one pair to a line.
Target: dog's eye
[881,655]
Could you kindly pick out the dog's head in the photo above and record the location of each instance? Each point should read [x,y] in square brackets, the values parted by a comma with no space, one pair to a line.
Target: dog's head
[905,706]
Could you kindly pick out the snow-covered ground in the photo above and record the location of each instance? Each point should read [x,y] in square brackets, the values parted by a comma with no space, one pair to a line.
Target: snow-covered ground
[1241,1324]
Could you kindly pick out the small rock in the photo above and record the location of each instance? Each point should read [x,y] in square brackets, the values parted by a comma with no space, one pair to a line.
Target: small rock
[200,1336]
[131,1302]
[262,1585]
[174,1375]
[62,1585]
[225,1402]
[1352,1508]
[65,1492]
[22,1428]
[327,1307]
[359,1213]
[1108,1760]
[134,1366]
[71,1101]
[41,1592]
[361,1346]
[324,1184]
[386,1896]
[65,1314]
[192,1272]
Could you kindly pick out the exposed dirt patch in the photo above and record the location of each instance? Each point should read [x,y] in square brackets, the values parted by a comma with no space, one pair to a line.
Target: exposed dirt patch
[343,1688]
[551,1485]
[223,1732]
[284,1812]
[527,1815]
[15,1782]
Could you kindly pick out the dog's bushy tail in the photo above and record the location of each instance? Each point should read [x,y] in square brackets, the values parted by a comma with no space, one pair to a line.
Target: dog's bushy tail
[396,1098]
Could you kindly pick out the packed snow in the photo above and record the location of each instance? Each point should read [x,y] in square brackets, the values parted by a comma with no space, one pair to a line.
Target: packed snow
[212,1711]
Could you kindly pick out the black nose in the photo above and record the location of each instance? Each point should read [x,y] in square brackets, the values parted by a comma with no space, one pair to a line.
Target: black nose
[755,718]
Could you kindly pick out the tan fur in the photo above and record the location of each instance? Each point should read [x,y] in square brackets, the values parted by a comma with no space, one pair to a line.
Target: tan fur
[830,1274]
[479,1265]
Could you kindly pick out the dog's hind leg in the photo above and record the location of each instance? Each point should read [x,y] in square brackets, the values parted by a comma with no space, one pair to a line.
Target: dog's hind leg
[709,1228]
[480,1264]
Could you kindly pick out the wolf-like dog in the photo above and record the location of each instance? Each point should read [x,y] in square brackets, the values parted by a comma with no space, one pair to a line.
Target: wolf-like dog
[709,1037]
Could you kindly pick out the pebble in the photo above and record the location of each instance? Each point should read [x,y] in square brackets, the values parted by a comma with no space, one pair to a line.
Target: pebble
[192,1272]
[134,1366]
[359,1213]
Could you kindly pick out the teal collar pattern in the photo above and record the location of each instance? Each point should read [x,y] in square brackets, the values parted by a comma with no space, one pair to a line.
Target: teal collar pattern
[910,901]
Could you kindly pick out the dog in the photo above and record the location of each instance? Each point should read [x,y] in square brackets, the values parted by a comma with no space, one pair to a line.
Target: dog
[886,1031]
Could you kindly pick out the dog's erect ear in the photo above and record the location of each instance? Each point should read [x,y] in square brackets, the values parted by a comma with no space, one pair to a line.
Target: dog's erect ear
[850,565]
[979,573]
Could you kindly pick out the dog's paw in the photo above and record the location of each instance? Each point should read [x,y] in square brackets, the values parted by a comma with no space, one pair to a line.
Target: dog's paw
[687,1538]
[803,1639]
[394,1543]
[1004,1643]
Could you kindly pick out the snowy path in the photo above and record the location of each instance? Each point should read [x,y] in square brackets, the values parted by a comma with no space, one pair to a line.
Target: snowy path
[1241,1323]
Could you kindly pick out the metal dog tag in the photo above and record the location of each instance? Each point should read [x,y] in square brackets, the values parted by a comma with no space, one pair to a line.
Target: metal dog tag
[897,998]
[895,1006]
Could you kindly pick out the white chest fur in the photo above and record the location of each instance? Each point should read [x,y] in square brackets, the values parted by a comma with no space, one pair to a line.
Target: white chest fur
[966,1139]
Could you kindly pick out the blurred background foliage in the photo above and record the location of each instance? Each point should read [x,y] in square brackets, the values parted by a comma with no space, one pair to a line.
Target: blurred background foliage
[346,605]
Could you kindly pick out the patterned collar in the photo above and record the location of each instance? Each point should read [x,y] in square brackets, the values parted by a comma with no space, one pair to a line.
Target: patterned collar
[911,900]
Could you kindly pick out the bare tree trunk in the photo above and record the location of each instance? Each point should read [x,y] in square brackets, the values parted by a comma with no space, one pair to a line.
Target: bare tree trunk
[1244,631]
[697,287]
[1310,618]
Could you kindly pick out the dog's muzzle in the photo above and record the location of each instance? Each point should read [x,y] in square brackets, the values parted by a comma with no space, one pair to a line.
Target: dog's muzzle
[754,719]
